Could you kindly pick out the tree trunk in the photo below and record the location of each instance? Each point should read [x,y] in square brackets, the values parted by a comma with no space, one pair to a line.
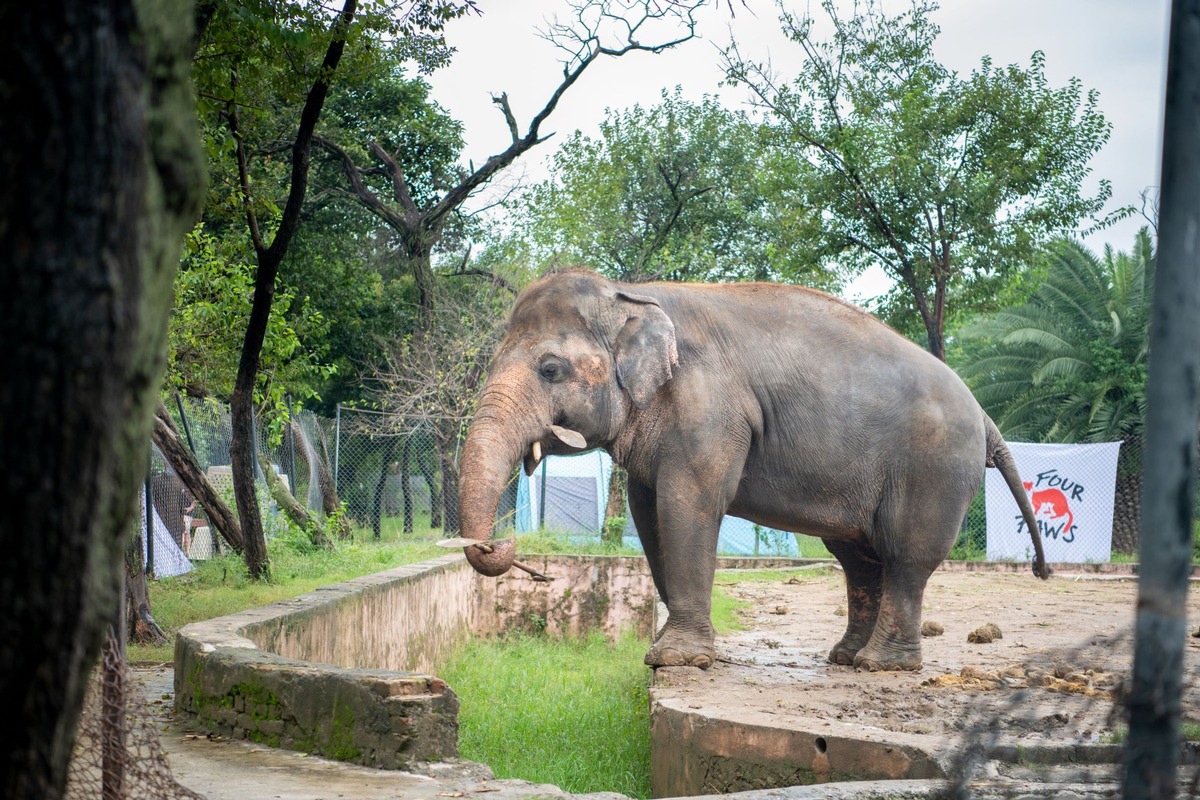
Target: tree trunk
[166,437]
[436,490]
[377,507]
[449,491]
[331,504]
[1127,504]
[139,621]
[405,487]
[614,532]
[242,452]
[287,503]
[100,177]
[243,448]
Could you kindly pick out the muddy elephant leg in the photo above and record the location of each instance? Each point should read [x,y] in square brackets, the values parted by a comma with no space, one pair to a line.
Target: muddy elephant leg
[864,587]
[642,501]
[895,643]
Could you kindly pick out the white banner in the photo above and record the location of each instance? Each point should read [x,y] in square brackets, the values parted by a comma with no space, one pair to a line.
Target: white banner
[1071,487]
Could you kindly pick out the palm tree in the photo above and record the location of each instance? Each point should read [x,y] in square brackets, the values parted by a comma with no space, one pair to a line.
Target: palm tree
[1069,365]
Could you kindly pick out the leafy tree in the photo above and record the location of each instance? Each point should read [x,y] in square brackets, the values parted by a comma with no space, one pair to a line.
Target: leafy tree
[1069,365]
[418,198]
[258,57]
[433,374]
[947,183]
[680,190]
[100,177]
[211,289]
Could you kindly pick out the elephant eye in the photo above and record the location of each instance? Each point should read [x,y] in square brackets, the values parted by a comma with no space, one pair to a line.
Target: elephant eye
[552,370]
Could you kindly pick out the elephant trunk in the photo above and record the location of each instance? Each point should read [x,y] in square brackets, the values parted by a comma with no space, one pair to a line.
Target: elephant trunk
[495,443]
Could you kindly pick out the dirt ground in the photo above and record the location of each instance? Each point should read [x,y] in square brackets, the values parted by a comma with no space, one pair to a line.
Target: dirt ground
[1065,648]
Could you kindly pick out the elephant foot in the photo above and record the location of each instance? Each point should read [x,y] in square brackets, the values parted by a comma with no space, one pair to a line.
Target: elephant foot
[879,660]
[676,650]
[842,655]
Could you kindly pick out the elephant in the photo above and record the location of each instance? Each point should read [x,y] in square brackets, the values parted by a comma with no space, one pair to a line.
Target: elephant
[780,404]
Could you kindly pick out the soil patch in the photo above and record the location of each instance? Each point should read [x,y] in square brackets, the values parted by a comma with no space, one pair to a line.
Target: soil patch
[1051,675]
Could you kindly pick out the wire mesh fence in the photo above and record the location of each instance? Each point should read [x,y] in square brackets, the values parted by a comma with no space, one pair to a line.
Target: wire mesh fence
[396,476]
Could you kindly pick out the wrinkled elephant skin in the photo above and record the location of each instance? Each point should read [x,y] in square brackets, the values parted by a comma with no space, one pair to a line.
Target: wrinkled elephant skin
[779,404]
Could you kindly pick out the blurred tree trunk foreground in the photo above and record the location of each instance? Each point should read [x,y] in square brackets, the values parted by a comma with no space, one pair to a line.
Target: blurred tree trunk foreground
[102,174]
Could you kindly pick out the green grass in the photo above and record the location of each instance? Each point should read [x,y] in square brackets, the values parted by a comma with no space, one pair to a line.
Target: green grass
[570,712]
[811,547]
[557,543]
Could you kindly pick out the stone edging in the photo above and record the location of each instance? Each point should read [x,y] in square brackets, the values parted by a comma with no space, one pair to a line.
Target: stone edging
[346,671]
[375,717]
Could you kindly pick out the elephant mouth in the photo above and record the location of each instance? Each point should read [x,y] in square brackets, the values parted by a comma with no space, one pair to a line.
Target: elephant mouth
[554,434]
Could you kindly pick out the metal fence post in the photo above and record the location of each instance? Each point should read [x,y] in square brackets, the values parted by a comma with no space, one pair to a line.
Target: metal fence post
[187,429]
[291,445]
[149,523]
[337,444]
[542,502]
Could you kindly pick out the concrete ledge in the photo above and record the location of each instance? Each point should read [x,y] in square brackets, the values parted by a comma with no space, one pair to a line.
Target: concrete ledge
[329,672]
[711,750]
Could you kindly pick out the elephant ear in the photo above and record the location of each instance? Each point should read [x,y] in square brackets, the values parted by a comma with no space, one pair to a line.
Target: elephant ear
[645,350]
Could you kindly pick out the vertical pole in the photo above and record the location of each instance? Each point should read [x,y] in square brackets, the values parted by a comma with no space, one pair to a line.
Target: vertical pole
[149,525]
[1152,752]
[291,447]
[187,429]
[542,502]
[337,444]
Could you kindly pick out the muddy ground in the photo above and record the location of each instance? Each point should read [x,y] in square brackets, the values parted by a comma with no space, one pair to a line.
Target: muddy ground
[1065,649]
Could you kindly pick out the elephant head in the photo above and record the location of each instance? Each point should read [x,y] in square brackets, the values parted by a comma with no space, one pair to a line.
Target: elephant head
[580,356]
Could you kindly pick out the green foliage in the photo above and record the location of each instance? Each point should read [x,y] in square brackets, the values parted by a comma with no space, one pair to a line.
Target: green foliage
[614,529]
[811,546]
[674,191]
[579,708]
[1070,364]
[213,287]
[947,183]
[255,66]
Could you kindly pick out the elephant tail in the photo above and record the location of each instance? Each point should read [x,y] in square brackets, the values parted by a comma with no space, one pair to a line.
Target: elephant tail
[1000,457]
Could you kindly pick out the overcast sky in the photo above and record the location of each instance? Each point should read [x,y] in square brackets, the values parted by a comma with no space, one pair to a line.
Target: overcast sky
[1114,46]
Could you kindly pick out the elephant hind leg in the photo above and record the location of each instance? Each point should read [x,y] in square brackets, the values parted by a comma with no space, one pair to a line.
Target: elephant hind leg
[895,644]
[864,588]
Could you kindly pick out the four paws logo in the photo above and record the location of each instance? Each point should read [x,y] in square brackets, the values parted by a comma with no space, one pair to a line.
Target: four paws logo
[1051,496]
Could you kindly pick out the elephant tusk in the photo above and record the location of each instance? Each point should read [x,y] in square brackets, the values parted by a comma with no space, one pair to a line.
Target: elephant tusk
[537,452]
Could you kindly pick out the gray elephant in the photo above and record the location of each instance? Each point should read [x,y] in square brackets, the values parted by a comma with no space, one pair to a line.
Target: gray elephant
[780,404]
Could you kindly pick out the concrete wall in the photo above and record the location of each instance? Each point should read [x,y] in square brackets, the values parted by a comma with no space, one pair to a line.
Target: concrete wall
[346,671]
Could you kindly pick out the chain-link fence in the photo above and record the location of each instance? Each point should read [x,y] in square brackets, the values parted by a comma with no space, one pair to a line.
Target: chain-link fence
[398,477]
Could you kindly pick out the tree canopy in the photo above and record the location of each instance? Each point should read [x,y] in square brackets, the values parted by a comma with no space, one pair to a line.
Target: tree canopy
[947,183]
[1069,365]
[681,190]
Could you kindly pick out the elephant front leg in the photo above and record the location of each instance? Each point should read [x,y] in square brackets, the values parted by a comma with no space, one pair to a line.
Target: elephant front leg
[864,588]
[688,542]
